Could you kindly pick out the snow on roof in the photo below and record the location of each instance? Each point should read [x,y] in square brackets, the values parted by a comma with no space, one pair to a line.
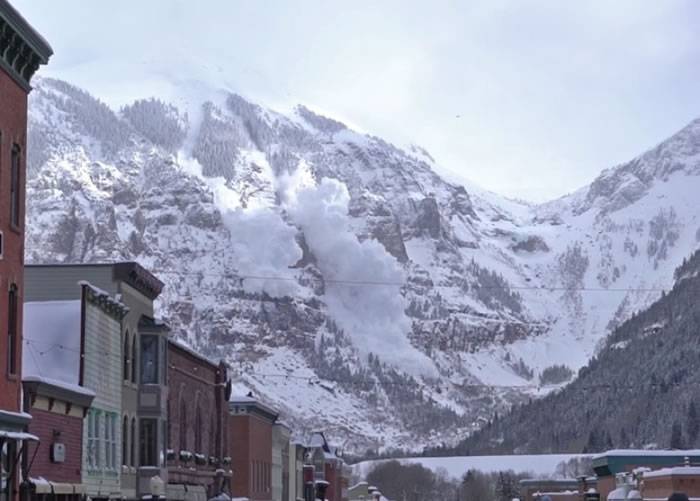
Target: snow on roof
[243,399]
[648,452]
[23,416]
[317,439]
[61,384]
[52,340]
[674,470]
[18,435]
[191,351]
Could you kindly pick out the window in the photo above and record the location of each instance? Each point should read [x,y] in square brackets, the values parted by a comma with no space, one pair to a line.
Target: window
[93,442]
[183,425]
[132,449]
[12,330]
[110,440]
[148,438]
[212,438]
[198,431]
[134,351]
[15,187]
[125,441]
[127,357]
[149,359]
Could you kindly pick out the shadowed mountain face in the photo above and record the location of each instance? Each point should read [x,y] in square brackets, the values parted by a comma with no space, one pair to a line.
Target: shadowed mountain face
[343,279]
[641,390]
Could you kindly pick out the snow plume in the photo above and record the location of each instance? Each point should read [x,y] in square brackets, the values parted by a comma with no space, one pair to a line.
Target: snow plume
[264,246]
[373,315]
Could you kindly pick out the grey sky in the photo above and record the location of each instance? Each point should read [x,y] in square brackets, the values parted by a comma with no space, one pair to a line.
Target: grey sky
[526,98]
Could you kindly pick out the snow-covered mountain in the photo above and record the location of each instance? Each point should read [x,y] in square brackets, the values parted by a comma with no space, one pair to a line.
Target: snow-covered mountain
[344,280]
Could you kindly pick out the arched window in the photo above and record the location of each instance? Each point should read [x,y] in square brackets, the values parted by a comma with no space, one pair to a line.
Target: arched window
[127,357]
[15,187]
[132,448]
[198,430]
[134,351]
[168,420]
[183,425]
[125,441]
[12,330]
[212,437]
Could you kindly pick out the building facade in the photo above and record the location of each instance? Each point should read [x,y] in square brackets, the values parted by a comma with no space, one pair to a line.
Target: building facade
[22,51]
[280,461]
[296,471]
[101,373]
[57,412]
[250,441]
[199,463]
[142,357]
[609,465]
[330,477]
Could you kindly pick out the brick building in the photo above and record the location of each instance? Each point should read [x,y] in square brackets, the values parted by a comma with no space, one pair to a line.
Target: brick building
[660,484]
[22,50]
[57,411]
[250,441]
[609,465]
[199,464]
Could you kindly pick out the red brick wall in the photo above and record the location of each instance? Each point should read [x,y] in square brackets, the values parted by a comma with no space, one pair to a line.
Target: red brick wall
[43,425]
[333,478]
[251,443]
[13,128]
[197,384]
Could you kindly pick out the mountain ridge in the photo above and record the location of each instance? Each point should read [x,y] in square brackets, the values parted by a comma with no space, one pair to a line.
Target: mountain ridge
[491,294]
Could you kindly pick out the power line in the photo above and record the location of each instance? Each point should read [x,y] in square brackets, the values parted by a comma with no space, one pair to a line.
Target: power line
[362,283]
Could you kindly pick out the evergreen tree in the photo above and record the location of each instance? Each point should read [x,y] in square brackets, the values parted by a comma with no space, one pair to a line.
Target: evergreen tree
[692,426]
[676,436]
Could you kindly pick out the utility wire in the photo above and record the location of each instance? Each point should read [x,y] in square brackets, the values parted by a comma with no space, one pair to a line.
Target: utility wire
[368,283]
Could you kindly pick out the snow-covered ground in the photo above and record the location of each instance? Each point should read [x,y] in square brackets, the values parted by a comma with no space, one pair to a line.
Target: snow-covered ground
[542,465]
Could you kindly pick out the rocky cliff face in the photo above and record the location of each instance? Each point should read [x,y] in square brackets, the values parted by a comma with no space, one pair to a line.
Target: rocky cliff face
[344,280]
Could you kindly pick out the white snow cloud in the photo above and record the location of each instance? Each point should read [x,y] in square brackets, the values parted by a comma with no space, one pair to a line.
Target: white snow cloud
[372,315]
[265,246]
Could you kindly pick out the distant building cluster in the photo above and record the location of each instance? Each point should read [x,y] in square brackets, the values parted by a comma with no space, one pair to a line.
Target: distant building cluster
[626,474]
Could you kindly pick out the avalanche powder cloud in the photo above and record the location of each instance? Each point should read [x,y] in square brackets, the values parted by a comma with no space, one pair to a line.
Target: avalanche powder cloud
[373,315]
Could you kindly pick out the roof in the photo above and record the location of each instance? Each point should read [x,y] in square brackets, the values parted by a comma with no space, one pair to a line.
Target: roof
[27,41]
[253,405]
[148,324]
[178,345]
[620,460]
[673,471]
[51,334]
[129,272]
[60,390]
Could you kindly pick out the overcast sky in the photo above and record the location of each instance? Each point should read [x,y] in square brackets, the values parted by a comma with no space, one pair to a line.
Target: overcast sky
[528,99]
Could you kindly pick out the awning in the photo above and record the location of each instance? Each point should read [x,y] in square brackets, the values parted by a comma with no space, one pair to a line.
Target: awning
[79,489]
[61,488]
[18,435]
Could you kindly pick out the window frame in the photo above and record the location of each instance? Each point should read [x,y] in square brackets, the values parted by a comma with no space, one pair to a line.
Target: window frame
[125,440]
[15,187]
[148,442]
[12,335]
